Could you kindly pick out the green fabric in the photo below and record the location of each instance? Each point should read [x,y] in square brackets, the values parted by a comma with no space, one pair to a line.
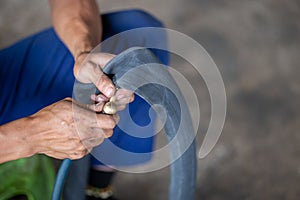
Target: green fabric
[33,177]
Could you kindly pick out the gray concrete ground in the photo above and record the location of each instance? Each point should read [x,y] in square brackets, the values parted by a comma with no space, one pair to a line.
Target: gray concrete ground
[256,47]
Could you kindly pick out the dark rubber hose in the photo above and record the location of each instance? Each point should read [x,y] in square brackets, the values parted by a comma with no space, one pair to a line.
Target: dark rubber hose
[60,179]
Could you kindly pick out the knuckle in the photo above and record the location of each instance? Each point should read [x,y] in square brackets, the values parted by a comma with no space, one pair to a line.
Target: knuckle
[68,118]
[81,148]
[78,154]
[90,65]
[106,121]
[103,80]
[73,156]
[121,107]
[84,152]
[109,133]
[98,141]
[111,122]
[132,98]
[76,144]
[68,99]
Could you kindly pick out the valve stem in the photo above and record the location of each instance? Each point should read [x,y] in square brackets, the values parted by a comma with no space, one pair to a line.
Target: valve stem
[110,107]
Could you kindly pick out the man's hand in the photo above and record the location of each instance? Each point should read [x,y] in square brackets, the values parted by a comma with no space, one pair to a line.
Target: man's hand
[88,69]
[66,130]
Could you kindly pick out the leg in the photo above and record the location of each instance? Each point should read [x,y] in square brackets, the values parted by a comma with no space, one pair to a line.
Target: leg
[34,73]
[117,22]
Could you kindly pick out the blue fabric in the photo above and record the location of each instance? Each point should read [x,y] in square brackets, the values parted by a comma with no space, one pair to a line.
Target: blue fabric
[38,71]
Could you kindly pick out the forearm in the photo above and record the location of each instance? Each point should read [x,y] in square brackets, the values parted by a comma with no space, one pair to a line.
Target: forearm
[54,131]
[14,140]
[77,23]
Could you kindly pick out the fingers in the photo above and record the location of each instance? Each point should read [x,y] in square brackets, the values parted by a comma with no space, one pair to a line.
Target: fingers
[73,155]
[96,107]
[123,93]
[91,72]
[99,98]
[105,85]
[72,130]
[120,100]
[90,143]
[73,149]
[94,136]
[124,97]
[107,121]
[85,117]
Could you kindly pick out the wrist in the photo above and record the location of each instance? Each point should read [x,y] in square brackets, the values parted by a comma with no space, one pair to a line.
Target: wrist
[77,37]
[29,137]
[81,49]
[78,62]
[16,136]
[37,139]
[81,56]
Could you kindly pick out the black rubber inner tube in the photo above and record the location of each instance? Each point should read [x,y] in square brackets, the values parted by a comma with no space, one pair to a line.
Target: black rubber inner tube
[139,70]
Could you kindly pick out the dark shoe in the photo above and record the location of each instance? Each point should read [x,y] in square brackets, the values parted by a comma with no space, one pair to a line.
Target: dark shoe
[94,198]
[93,193]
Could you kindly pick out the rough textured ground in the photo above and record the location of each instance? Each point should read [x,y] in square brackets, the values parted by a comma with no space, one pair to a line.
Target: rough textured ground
[256,47]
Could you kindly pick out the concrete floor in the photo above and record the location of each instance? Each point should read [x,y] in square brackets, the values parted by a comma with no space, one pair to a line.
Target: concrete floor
[256,47]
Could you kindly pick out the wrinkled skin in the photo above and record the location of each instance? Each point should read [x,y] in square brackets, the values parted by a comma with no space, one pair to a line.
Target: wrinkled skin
[88,69]
[60,137]
[74,132]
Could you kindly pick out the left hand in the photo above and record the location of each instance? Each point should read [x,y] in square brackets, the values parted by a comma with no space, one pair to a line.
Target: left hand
[88,69]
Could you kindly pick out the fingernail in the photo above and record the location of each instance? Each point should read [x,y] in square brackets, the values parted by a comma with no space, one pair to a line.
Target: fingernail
[116,118]
[100,98]
[121,96]
[110,91]
[98,106]
[93,97]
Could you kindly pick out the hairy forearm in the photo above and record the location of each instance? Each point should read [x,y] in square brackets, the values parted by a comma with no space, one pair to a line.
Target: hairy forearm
[14,140]
[77,23]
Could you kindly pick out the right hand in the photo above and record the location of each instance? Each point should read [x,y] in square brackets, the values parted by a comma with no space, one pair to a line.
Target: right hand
[67,130]
[88,69]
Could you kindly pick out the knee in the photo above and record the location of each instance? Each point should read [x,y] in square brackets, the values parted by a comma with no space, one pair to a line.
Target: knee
[142,18]
[130,19]
[120,21]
